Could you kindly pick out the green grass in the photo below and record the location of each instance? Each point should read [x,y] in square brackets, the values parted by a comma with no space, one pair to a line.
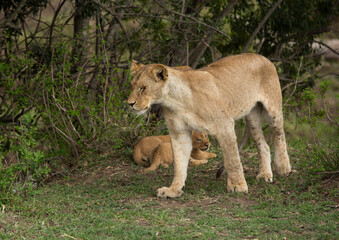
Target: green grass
[111,200]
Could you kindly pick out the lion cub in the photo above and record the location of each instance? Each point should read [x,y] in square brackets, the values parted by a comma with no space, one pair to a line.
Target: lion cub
[154,151]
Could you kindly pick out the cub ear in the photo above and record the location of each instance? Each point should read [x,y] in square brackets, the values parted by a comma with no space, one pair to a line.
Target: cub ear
[160,73]
[135,66]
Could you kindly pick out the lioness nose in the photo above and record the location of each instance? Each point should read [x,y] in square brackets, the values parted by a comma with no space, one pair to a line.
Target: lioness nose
[131,104]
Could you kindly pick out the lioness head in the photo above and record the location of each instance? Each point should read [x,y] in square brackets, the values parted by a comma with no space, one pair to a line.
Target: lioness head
[200,141]
[147,85]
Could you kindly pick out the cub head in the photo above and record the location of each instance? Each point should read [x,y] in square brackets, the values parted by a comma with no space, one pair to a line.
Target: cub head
[147,85]
[200,141]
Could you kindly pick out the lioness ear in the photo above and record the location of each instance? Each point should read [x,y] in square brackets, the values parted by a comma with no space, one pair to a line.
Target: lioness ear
[160,73]
[135,66]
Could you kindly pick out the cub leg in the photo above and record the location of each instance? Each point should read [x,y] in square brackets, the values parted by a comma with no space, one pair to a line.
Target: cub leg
[195,162]
[155,160]
[182,147]
[142,150]
[139,157]
[281,159]
[235,174]
[254,123]
[198,154]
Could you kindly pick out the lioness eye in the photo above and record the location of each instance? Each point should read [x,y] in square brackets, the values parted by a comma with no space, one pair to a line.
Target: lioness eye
[142,88]
[198,139]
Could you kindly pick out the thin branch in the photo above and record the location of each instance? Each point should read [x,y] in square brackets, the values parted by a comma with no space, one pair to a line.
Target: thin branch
[328,114]
[183,7]
[261,24]
[105,7]
[296,81]
[200,49]
[54,20]
[324,44]
[194,19]
[14,14]
[327,74]
[328,172]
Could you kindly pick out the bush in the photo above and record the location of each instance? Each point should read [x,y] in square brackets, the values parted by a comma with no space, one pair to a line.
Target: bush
[325,158]
[64,110]
[22,165]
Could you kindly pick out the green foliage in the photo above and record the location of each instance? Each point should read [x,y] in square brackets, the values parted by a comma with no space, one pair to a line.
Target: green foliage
[83,118]
[68,113]
[325,157]
[22,165]
[317,158]
[14,12]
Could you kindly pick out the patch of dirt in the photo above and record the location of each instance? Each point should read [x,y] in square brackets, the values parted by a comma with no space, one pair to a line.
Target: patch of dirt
[331,181]
[107,170]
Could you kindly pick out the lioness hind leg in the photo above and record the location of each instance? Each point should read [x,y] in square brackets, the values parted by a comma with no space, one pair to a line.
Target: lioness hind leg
[281,158]
[254,123]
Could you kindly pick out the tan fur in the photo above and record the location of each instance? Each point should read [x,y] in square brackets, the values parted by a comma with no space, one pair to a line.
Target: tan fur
[209,100]
[155,151]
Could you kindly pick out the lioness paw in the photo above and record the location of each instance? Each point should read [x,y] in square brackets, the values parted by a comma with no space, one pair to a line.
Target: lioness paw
[268,177]
[239,187]
[284,170]
[166,192]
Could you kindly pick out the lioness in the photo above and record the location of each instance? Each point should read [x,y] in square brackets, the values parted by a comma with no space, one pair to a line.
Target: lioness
[209,100]
[154,151]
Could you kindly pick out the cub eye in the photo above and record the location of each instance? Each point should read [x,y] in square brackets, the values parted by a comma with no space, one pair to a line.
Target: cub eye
[198,140]
[142,89]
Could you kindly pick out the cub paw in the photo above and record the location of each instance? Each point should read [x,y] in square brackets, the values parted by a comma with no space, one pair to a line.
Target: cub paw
[213,155]
[145,170]
[203,161]
[236,187]
[166,192]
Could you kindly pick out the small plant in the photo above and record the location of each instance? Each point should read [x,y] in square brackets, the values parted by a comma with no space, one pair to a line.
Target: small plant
[325,158]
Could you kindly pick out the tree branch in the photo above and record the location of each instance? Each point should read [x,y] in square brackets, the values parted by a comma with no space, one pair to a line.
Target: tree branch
[327,46]
[194,19]
[200,49]
[261,24]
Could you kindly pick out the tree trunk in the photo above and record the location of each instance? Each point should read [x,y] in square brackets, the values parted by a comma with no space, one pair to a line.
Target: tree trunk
[80,33]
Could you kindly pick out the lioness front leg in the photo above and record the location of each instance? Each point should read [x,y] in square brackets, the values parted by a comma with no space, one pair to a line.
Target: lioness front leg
[235,175]
[181,147]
